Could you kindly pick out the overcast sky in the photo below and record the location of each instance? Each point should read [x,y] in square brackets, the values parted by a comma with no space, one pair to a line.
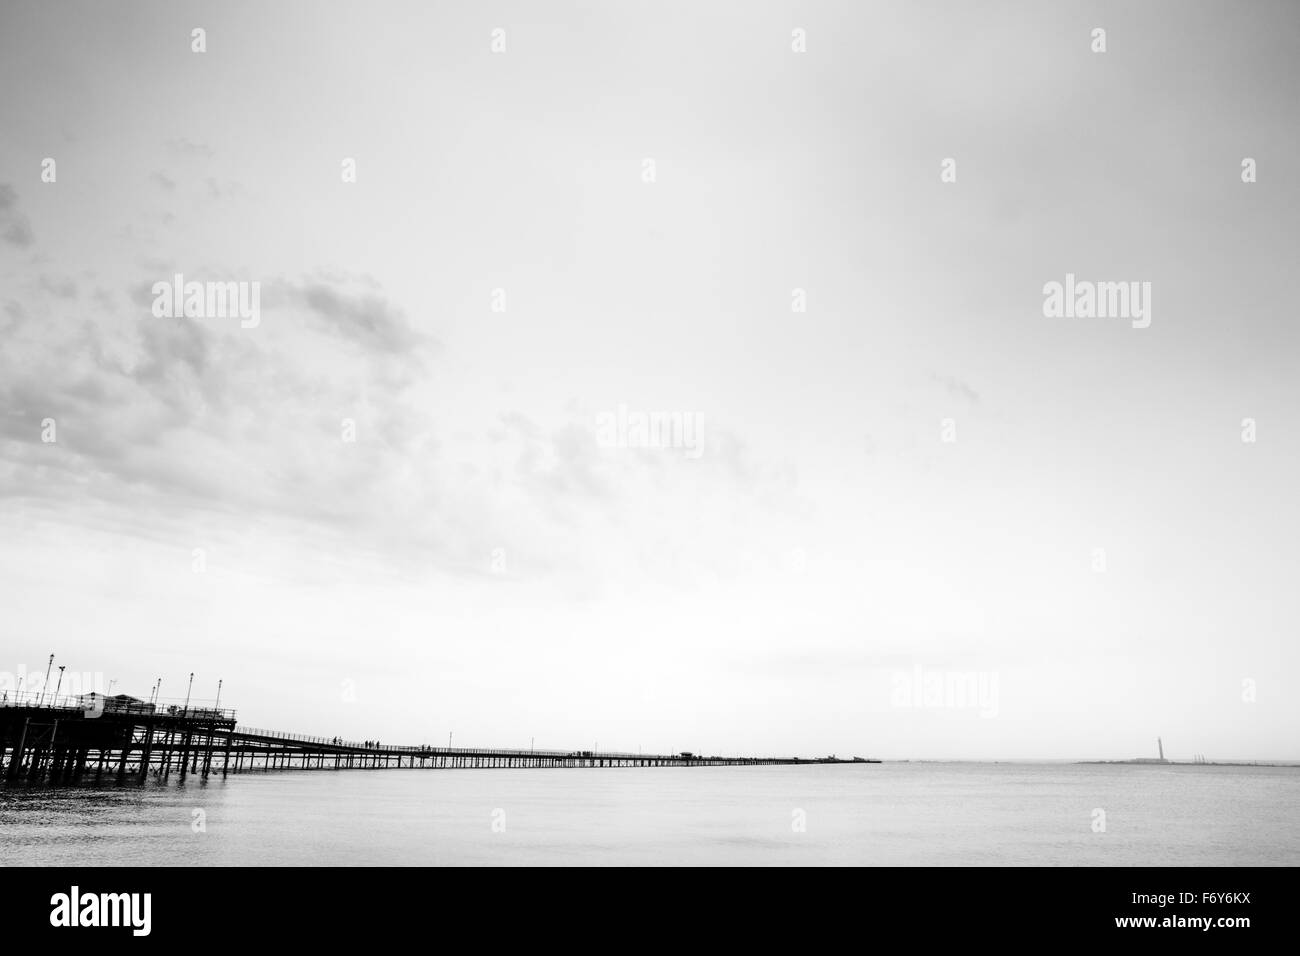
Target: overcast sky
[478,559]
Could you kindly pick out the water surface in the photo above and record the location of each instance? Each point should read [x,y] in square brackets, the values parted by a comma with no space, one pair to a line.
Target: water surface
[892,814]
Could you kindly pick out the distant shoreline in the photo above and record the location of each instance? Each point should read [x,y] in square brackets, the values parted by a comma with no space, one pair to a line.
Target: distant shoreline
[1139,762]
[1192,763]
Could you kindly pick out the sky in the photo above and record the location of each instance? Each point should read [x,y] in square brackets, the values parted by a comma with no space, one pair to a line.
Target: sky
[388,509]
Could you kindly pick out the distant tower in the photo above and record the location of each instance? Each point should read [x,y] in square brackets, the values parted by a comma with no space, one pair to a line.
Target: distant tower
[1160,745]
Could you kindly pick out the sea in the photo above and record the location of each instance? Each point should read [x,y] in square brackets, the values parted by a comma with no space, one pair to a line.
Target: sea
[907,813]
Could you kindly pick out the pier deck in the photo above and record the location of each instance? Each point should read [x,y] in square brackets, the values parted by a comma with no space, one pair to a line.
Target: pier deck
[64,742]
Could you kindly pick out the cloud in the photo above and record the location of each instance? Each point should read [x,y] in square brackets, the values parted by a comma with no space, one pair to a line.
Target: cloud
[243,430]
[206,420]
[62,287]
[956,387]
[227,190]
[159,178]
[366,318]
[14,226]
[187,147]
[558,465]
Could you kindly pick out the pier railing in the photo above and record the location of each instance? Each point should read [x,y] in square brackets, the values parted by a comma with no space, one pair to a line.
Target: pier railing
[427,749]
[91,703]
[45,700]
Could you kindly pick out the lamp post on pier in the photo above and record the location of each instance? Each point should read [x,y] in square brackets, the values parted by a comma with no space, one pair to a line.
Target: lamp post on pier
[59,686]
[187,693]
[47,681]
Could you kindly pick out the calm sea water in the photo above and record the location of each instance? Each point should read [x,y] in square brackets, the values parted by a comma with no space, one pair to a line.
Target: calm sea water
[903,813]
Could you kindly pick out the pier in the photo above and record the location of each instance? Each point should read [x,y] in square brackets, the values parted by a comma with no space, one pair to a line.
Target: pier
[64,740]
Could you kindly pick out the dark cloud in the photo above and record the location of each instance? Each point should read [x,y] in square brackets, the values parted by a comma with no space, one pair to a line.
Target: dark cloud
[367,319]
[20,233]
[203,418]
[14,226]
[170,344]
[209,417]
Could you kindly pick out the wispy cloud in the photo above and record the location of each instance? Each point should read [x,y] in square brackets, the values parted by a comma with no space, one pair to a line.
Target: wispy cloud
[187,147]
[956,387]
[366,318]
[14,226]
[224,190]
[62,287]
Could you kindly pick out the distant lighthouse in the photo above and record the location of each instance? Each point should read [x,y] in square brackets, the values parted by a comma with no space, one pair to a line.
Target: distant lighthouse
[1160,745]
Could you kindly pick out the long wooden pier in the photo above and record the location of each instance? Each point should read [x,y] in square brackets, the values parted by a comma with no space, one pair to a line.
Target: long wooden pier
[64,742]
